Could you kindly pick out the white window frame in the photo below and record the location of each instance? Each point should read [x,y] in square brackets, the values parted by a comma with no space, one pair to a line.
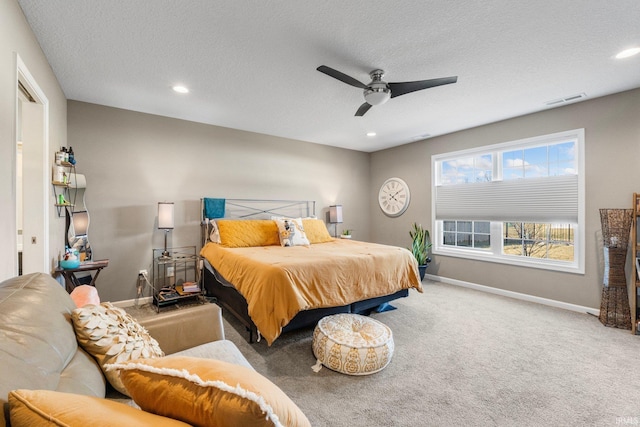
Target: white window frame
[494,254]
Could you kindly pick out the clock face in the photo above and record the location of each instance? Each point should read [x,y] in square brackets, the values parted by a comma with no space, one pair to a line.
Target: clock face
[394,197]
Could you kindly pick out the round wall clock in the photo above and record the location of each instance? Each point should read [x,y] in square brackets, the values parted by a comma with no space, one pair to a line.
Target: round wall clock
[394,197]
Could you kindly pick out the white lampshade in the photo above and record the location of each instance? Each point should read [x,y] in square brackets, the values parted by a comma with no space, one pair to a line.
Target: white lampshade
[80,222]
[165,215]
[335,214]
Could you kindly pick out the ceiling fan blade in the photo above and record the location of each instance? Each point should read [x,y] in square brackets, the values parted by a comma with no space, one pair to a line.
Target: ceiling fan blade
[363,109]
[341,76]
[398,89]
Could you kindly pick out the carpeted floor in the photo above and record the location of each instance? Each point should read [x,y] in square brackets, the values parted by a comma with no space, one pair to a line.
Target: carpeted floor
[464,357]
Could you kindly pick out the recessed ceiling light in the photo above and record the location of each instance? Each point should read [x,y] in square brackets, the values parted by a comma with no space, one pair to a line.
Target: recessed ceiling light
[371,134]
[181,89]
[628,52]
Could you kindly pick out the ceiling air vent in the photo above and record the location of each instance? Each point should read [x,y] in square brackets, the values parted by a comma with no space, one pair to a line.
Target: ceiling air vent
[566,99]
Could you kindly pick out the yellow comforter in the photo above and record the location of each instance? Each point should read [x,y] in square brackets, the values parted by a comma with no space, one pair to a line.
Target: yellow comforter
[278,282]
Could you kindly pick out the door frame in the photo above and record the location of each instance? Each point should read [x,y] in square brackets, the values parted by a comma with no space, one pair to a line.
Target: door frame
[40,219]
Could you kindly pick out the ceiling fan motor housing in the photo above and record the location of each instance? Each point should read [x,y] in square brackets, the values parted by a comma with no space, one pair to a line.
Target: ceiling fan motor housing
[377,92]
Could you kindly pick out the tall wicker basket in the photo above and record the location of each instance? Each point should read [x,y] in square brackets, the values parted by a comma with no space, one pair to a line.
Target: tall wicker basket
[614,308]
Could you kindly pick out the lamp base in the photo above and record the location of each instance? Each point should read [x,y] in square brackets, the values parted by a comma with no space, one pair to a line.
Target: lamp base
[166,255]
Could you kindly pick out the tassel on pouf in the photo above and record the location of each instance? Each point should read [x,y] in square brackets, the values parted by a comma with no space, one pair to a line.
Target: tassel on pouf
[614,307]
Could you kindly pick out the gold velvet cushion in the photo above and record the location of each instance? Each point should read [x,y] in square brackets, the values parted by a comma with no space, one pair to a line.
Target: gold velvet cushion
[316,230]
[111,335]
[242,233]
[208,392]
[30,408]
[291,232]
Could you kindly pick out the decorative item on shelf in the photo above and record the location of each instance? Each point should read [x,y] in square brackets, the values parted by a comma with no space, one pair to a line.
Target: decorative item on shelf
[335,217]
[614,307]
[71,155]
[63,180]
[166,223]
[71,259]
[346,233]
[420,247]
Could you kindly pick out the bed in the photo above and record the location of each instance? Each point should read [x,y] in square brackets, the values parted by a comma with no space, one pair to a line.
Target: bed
[272,280]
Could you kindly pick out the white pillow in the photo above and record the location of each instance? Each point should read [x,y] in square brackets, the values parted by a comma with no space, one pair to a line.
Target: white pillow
[291,232]
[214,235]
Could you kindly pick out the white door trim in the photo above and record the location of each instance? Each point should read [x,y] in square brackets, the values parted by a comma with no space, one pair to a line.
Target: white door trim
[23,75]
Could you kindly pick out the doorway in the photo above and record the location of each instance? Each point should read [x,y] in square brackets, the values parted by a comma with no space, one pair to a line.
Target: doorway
[32,177]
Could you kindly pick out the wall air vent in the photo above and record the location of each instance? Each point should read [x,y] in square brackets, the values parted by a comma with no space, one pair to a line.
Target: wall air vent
[566,99]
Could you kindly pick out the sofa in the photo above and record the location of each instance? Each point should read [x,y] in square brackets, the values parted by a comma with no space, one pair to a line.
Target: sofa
[44,366]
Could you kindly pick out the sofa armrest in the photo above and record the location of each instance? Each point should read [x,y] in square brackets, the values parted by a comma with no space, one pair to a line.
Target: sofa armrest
[186,327]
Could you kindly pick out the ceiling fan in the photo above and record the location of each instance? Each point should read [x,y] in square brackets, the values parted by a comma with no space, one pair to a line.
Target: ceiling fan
[378,91]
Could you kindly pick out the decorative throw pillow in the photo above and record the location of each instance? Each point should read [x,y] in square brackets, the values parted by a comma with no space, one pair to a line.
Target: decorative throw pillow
[84,295]
[30,408]
[208,392]
[214,235]
[291,232]
[111,335]
[242,233]
[316,230]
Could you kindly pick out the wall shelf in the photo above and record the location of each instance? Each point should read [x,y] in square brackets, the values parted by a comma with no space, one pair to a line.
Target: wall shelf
[62,188]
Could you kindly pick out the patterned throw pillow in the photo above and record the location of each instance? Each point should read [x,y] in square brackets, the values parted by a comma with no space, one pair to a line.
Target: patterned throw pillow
[291,232]
[111,335]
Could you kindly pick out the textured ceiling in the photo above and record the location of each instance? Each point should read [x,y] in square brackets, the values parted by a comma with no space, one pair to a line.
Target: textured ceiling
[251,65]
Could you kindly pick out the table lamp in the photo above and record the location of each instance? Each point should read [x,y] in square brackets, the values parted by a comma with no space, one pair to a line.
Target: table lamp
[165,222]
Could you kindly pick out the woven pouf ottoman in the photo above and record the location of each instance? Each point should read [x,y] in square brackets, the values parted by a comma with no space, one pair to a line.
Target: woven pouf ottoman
[352,344]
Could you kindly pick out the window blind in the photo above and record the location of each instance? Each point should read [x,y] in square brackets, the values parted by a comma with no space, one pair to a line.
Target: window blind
[545,200]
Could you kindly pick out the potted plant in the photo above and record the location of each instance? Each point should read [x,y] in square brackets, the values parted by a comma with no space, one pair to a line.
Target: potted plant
[346,233]
[420,247]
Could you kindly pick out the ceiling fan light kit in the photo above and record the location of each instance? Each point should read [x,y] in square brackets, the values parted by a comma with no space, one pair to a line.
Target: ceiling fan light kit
[378,91]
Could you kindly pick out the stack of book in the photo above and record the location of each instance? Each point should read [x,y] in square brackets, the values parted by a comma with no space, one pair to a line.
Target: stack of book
[190,287]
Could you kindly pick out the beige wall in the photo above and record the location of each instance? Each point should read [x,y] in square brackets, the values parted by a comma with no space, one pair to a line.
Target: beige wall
[612,145]
[16,37]
[133,160]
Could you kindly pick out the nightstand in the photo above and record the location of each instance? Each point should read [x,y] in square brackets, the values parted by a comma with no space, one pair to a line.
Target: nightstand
[173,274]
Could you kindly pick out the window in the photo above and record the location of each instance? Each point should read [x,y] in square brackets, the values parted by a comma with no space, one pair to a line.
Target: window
[471,234]
[467,169]
[547,241]
[520,202]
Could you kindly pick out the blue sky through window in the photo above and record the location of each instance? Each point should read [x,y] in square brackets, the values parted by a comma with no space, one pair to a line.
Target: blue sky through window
[534,162]
[467,169]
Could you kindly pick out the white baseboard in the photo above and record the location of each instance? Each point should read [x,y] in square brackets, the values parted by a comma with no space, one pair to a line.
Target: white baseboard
[131,302]
[516,295]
